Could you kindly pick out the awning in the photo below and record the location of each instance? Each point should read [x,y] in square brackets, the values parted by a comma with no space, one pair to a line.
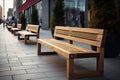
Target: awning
[27,4]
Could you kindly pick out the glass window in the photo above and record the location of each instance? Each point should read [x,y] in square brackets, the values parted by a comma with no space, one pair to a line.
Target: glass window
[39,7]
[74,12]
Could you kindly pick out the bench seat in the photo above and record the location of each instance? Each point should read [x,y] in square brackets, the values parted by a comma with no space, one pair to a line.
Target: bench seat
[15,29]
[27,33]
[68,49]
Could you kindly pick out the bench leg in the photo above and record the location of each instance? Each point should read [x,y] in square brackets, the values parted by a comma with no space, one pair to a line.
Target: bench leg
[100,65]
[70,64]
[18,36]
[14,32]
[38,48]
[26,37]
[37,36]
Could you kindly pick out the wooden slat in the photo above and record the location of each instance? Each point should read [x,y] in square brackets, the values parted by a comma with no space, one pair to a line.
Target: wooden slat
[89,30]
[19,26]
[33,28]
[26,33]
[90,42]
[84,35]
[15,29]
[53,47]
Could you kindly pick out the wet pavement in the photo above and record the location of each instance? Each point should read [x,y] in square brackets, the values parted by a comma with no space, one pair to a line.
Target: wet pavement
[19,61]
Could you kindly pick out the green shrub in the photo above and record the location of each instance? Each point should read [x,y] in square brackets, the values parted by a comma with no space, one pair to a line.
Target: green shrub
[104,16]
[23,19]
[57,18]
[34,16]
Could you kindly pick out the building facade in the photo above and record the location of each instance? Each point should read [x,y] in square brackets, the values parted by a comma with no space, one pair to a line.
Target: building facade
[14,9]
[16,6]
[10,13]
[0,12]
[25,7]
[75,12]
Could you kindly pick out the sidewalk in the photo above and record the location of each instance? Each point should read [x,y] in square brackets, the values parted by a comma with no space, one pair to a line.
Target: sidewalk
[19,61]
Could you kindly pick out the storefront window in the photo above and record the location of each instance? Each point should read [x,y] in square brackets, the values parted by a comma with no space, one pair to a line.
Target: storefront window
[74,13]
[39,7]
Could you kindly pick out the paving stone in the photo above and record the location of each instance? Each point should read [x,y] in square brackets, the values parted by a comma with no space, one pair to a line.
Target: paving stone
[5,69]
[56,74]
[24,67]
[3,57]
[29,76]
[1,60]
[53,78]
[13,59]
[3,54]
[45,66]
[27,60]
[33,63]
[6,78]
[12,64]
[7,73]
[39,70]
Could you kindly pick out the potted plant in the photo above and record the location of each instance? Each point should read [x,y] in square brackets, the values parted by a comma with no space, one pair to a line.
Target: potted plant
[34,16]
[104,16]
[23,21]
[57,18]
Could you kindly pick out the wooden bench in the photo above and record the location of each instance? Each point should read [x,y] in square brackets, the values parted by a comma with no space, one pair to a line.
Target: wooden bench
[31,30]
[14,30]
[9,27]
[70,51]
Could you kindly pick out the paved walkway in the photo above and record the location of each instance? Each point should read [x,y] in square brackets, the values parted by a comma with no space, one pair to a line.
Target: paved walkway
[19,61]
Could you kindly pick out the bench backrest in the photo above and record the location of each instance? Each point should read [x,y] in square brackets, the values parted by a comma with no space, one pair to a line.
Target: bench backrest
[32,28]
[19,26]
[94,37]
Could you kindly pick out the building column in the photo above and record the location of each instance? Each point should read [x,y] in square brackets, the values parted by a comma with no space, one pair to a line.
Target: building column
[45,14]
